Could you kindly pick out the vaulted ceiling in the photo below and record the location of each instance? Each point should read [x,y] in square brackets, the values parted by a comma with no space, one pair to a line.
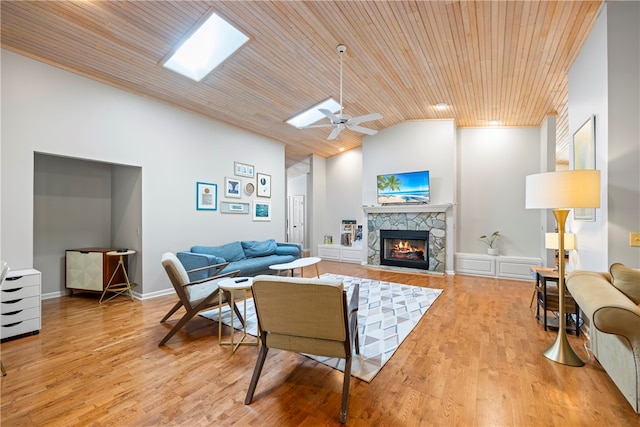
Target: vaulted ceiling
[488,60]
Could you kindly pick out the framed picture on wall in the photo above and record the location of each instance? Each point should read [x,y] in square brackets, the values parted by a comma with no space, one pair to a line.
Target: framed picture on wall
[584,157]
[264,185]
[206,196]
[232,187]
[261,210]
[243,169]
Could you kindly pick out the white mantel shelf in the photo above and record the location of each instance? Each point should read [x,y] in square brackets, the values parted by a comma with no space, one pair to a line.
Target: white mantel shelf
[406,208]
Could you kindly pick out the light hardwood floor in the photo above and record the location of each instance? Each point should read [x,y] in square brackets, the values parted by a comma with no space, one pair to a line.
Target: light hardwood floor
[475,359]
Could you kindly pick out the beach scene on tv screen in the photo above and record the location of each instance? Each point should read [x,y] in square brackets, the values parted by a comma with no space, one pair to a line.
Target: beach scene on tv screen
[407,187]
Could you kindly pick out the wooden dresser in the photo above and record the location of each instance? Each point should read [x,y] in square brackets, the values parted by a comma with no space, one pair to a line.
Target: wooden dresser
[89,269]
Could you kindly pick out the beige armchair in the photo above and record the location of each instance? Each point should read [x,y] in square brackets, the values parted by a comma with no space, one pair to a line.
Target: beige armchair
[311,316]
[193,296]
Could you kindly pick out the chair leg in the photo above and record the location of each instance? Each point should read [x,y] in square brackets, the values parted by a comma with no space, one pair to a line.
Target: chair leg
[4,373]
[173,310]
[256,373]
[345,390]
[177,327]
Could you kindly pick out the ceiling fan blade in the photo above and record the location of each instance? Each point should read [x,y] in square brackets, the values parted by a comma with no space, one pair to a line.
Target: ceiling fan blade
[334,119]
[328,125]
[362,129]
[365,118]
[334,133]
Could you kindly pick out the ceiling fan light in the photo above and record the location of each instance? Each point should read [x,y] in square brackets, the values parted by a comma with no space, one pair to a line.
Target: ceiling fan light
[442,106]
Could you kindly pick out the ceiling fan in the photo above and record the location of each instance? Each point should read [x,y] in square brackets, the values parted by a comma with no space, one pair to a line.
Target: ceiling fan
[342,121]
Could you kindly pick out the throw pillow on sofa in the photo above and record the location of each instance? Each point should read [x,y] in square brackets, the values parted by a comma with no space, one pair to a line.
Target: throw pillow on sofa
[627,280]
[230,252]
[254,248]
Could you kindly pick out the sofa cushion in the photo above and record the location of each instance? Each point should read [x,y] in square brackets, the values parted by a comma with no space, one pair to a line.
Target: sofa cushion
[288,250]
[627,280]
[230,252]
[254,248]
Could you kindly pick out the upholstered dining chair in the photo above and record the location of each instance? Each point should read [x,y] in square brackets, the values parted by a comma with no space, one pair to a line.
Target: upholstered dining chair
[193,296]
[4,270]
[319,319]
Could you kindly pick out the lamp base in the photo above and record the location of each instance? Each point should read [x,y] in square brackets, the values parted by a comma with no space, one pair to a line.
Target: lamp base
[561,351]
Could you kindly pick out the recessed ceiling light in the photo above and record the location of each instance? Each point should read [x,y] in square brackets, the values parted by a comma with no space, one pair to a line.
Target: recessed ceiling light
[206,48]
[341,149]
[312,115]
[495,122]
[442,106]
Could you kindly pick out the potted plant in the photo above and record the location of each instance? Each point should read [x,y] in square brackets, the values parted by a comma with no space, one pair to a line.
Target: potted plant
[491,241]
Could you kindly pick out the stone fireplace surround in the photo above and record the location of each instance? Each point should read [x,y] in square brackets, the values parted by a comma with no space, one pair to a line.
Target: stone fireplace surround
[432,218]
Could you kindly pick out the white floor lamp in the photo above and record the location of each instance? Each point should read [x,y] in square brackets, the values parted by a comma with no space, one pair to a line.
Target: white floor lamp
[561,191]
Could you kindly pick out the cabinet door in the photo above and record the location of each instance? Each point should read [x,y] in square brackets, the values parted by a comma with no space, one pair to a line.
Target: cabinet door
[84,270]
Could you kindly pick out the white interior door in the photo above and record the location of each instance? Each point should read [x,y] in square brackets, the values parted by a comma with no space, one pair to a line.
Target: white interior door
[296,219]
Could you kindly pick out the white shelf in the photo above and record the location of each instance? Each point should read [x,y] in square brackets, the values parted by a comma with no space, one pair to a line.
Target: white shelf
[507,267]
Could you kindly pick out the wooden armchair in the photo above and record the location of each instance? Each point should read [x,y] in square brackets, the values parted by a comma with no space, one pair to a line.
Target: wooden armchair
[309,316]
[193,296]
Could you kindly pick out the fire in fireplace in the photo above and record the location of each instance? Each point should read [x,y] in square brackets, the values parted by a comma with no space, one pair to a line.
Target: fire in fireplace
[404,248]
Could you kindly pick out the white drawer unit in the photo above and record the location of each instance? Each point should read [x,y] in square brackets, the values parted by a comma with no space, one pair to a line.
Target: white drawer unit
[20,311]
[329,252]
[340,253]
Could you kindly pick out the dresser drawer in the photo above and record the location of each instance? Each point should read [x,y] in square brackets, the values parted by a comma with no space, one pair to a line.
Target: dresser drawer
[19,304]
[19,328]
[20,281]
[17,316]
[19,293]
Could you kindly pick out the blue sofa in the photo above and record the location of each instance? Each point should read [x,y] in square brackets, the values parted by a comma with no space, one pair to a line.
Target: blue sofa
[249,256]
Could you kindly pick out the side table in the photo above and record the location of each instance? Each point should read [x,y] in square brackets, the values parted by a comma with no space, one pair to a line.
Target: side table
[300,263]
[119,288]
[230,287]
[548,298]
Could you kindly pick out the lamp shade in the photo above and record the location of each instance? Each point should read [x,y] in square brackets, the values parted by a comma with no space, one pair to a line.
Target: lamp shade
[564,189]
[551,241]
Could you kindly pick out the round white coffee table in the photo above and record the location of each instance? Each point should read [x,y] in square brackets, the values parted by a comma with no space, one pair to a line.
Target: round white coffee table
[300,263]
[230,286]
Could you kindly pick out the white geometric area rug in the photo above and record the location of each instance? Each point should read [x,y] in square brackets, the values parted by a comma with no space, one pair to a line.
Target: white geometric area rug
[387,313]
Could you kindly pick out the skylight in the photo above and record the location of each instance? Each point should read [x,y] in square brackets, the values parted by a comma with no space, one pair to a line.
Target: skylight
[213,42]
[312,115]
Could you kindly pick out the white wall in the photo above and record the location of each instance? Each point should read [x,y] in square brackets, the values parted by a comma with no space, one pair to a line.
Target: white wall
[492,165]
[48,110]
[344,191]
[604,81]
[412,146]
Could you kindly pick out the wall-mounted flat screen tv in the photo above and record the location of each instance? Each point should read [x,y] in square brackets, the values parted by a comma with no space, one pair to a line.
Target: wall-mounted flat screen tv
[405,187]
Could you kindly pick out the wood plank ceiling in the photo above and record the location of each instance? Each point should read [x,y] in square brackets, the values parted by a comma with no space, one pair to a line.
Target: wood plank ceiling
[489,60]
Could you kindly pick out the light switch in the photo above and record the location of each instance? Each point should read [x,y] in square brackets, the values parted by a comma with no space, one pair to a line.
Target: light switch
[634,239]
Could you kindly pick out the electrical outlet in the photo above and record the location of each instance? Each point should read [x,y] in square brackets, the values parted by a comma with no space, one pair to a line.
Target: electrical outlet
[634,239]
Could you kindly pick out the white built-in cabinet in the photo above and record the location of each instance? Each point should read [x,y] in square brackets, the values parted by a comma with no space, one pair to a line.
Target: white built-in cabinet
[498,266]
[20,311]
[340,253]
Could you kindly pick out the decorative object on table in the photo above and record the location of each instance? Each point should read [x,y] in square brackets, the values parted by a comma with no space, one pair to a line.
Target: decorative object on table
[264,185]
[206,196]
[376,296]
[232,187]
[551,242]
[243,169]
[584,157]
[491,242]
[261,211]
[249,188]
[234,207]
[561,191]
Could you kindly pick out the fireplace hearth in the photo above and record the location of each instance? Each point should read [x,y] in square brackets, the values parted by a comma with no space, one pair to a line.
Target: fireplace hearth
[405,248]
